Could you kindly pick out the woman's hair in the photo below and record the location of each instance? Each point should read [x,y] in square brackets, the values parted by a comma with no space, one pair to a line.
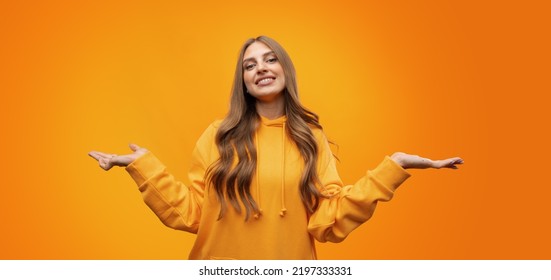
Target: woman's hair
[232,178]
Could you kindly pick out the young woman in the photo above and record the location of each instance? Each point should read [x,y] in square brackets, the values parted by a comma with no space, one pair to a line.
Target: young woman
[263,181]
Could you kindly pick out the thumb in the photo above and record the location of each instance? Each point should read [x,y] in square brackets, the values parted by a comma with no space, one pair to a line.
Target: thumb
[134,147]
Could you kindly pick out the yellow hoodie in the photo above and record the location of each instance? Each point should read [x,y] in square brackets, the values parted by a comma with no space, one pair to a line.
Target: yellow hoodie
[284,230]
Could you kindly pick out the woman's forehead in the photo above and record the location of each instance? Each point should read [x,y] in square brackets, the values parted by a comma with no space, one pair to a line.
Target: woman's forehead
[256,49]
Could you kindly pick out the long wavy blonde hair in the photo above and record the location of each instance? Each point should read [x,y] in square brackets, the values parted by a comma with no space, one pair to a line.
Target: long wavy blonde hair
[235,137]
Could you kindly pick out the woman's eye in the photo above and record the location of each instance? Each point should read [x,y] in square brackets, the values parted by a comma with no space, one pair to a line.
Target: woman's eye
[249,66]
[272,60]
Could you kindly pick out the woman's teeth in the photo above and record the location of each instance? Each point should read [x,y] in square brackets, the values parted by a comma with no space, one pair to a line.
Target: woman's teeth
[265,81]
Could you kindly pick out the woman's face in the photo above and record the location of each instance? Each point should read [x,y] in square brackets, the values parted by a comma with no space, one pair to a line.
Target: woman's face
[262,72]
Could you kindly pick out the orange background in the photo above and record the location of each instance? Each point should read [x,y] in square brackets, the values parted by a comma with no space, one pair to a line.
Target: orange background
[425,77]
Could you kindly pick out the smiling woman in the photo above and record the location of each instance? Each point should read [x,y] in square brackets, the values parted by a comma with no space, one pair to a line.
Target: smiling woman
[264,183]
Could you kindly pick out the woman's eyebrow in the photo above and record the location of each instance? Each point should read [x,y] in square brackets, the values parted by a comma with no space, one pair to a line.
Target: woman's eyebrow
[263,55]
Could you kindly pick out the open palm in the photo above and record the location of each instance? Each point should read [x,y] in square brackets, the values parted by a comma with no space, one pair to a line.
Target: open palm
[415,161]
[107,161]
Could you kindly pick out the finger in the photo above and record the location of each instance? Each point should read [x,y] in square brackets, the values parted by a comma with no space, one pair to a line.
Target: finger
[104,155]
[453,162]
[94,155]
[456,160]
[99,155]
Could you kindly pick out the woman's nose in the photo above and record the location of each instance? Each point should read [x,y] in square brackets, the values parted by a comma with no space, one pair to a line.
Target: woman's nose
[261,67]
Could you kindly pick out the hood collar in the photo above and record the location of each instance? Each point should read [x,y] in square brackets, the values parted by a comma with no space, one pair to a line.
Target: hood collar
[278,122]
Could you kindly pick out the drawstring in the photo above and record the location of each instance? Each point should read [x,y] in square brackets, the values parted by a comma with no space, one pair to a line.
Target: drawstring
[283,209]
[259,213]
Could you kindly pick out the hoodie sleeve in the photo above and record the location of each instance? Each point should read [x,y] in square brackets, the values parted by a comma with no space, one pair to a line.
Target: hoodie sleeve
[178,206]
[344,208]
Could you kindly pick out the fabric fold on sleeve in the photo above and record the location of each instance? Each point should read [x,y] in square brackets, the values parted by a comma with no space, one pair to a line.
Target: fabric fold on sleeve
[175,204]
[344,208]
[178,206]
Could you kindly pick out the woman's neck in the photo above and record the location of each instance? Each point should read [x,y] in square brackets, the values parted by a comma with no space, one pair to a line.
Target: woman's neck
[272,109]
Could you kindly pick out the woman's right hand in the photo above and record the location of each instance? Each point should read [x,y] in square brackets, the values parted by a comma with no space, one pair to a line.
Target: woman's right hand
[106,161]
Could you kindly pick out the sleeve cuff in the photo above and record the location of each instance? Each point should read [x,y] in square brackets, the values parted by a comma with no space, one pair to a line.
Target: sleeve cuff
[144,168]
[390,173]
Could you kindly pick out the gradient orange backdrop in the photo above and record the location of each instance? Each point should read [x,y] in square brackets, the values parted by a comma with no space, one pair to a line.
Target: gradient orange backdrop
[437,79]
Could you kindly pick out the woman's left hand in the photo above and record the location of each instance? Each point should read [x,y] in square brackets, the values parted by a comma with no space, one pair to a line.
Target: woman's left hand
[415,161]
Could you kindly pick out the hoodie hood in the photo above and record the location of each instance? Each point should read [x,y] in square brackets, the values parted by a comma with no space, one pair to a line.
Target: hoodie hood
[278,122]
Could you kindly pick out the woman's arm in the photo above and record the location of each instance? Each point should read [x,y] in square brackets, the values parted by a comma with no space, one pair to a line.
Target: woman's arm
[177,205]
[344,208]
